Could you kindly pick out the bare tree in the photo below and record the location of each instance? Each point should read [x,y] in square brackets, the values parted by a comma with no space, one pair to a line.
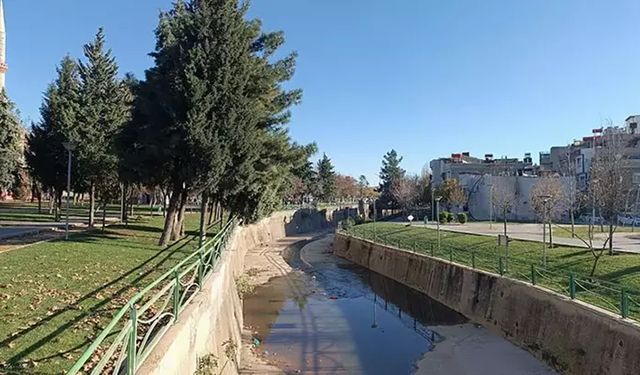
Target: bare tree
[611,181]
[548,200]
[609,187]
[504,196]
[574,198]
[453,193]
[405,191]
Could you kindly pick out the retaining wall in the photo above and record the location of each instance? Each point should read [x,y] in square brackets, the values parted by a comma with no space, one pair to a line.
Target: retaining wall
[211,325]
[572,337]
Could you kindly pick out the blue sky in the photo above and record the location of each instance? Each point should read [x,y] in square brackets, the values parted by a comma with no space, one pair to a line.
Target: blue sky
[427,78]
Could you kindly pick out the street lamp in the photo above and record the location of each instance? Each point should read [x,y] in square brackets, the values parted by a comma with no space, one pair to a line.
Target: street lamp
[70,148]
[545,202]
[438,219]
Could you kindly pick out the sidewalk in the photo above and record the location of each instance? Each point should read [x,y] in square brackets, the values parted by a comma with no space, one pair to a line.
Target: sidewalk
[623,241]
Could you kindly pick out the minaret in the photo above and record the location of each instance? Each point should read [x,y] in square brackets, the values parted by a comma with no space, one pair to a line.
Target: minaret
[3,47]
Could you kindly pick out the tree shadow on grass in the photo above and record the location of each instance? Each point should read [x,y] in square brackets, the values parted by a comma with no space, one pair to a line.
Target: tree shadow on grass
[573,254]
[164,254]
[137,228]
[616,275]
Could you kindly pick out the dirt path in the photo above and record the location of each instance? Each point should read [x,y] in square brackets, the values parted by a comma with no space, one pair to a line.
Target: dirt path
[261,265]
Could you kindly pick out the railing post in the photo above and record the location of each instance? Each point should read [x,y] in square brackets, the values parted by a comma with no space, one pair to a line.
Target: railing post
[200,269]
[572,285]
[624,303]
[133,337]
[500,266]
[533,274]
[473,259]
[214,248]
[176,295]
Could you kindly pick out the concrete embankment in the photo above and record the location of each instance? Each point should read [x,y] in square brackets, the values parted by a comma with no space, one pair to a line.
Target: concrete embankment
[208,331]
[572,337]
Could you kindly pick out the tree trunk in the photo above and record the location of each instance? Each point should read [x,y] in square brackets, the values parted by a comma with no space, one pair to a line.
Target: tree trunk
[203,218]
[170,217]
[92,204]
[550,236]
[210,208]
[39,196]
[164,203]
[104,215]
[53,207]
[610,238]
[573,225]
[178,229]
[123,202]
[51,200]
[505,222]
[59,205]
[596,258]
[152,202]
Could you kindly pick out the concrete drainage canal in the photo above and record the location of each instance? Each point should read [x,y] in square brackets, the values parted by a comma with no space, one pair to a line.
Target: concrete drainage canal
[330,316]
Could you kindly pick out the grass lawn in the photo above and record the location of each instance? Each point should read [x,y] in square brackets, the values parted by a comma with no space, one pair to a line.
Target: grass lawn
[583,231]
[55,297]
[623,269]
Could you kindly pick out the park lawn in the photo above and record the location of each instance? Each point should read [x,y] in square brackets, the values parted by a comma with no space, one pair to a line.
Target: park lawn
[55,297]
[622,269]
[582,231]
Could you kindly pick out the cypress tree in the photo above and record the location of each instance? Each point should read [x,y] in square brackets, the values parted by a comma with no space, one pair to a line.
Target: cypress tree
[390,173]
[10,142]
[326,179]
[104,109]
[46,155]
[212,112]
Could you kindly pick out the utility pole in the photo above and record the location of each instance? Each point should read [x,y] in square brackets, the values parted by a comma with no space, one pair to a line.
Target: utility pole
[69,147]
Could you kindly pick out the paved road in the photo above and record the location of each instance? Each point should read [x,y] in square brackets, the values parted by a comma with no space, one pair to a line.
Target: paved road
[623,241]
[12,232]
[12,229]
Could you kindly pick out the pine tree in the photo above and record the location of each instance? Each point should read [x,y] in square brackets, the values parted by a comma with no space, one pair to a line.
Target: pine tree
[326,179]
[10,142]
[390,174]
[212,110]
[104,109]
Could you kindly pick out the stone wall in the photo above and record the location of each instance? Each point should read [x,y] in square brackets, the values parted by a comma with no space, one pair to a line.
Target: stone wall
[572,337]
[212,323]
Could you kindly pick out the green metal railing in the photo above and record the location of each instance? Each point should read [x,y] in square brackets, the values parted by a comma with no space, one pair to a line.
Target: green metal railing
[613,297]
[138,326]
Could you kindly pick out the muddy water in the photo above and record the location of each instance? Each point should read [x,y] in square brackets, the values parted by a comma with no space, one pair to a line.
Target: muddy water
[331,316]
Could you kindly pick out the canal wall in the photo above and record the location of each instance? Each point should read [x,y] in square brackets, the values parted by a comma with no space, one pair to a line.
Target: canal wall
[209,329]
[572,337]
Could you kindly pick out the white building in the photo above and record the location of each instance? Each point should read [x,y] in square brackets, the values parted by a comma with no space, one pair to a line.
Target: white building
[484,191]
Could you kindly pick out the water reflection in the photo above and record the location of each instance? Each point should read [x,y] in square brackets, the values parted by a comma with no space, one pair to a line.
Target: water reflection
[338,318]
[341,318]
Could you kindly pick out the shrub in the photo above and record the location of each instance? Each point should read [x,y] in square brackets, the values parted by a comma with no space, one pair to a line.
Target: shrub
[445,217]
[449,217]
[462,218]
